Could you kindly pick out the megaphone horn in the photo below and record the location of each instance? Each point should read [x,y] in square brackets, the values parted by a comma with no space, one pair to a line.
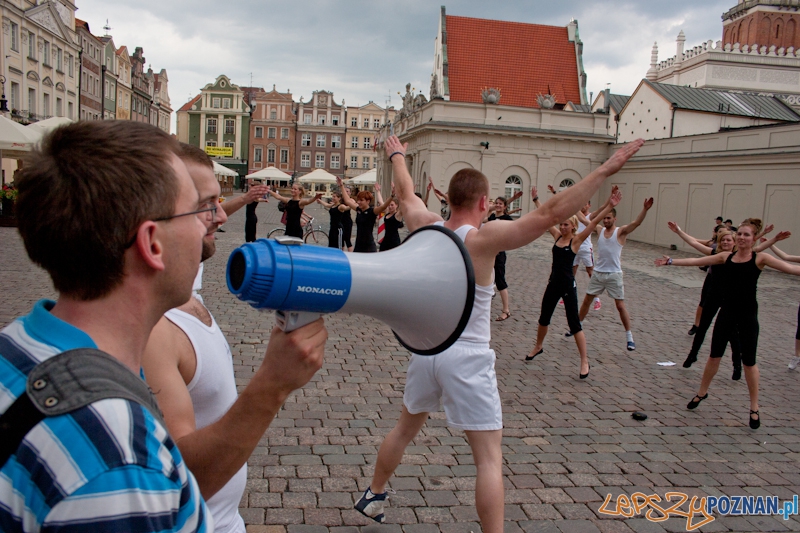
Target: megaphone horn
[424,289]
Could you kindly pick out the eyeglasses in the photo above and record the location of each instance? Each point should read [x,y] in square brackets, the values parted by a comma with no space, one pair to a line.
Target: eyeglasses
[212,210]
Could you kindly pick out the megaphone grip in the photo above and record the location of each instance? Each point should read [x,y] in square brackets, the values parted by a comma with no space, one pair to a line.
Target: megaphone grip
[292,320]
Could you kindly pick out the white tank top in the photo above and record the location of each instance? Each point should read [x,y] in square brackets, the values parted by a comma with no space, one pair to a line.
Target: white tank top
[609,252]
[213,391]
[478,328]
[587,244]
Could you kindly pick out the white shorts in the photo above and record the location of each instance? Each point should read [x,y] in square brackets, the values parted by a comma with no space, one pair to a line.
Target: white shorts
[463,379]
[606,281]
[585,256]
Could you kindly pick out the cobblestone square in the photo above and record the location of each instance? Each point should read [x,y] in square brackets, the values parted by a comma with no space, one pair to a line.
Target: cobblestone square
[567,442]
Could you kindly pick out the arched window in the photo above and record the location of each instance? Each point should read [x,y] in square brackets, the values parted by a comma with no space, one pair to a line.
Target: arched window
[513,186]
[565,184]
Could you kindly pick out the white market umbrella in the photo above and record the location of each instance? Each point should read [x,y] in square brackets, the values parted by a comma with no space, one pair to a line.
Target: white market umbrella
[269,173]
[221,170]
[318,176]
[367,178]
[15,136]
[44,127]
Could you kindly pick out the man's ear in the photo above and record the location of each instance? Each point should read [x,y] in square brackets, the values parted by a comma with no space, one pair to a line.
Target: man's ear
[149,246]
[484,203]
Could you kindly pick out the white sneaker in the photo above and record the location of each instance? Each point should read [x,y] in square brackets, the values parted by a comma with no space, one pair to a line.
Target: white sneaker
[597,305]
[793,363]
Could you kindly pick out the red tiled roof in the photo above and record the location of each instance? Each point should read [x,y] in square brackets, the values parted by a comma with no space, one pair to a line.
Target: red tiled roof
[522,60]
[188,105]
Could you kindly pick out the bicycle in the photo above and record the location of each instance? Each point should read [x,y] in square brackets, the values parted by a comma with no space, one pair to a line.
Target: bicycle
[311,235]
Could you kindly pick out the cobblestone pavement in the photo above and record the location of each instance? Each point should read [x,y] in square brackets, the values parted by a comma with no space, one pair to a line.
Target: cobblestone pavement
[567,442]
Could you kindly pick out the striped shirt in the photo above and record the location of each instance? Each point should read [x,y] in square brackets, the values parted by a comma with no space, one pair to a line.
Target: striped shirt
[105,467]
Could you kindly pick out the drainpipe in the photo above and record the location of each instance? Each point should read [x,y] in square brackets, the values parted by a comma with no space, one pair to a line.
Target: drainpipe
[80,81]
[672,126]
[616,137]
[103,93]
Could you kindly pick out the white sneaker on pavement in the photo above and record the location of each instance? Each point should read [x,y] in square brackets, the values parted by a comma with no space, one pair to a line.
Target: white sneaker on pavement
[793,363]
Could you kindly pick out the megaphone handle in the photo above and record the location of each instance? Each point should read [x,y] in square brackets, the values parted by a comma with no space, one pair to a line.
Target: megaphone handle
[290,320]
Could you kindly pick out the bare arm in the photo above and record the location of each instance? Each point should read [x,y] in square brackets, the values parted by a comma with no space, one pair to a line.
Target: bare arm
[277,196]
[781,236]
[765,231]
[415,210]
[428,190]
[378,209]
[784,256]
[346,200]
[305,201]
[512,235]
[324,204]
[215,453]
[691,241]
[717,259]
[777,264]
[253,195]
[628,229]
[378,195]
[613,201]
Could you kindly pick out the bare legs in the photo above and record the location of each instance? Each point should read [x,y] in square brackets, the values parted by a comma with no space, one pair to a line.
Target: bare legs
[580,341]
[504,299]
[486,451]
[623,314]
[697,316]
[751,375]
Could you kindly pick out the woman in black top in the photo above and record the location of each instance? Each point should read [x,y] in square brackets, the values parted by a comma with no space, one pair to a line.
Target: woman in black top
[562,280]
[738,316]
[392,222]
[250,221]
[337,212]
[501,213]
[294,208]
[365,217]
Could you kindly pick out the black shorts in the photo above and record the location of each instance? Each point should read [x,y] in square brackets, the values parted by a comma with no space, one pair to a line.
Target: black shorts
[733,325]
[500,271]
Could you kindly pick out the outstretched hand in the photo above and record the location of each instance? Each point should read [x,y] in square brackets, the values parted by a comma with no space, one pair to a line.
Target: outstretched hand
[661,261]
[339,183]
[648,203]
[615,198]
[621,156]
[393,145]
[256,192]
[551,189]
[377,187]
[673,226]
[534,192]
[783,235]
[317,196]
[768,229]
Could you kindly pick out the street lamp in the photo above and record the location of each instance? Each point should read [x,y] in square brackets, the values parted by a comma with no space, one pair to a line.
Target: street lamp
[3,101]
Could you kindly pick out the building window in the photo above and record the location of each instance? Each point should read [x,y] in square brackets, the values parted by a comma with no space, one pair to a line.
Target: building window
[259,132]
[31,46]
[97,87]
[211,124]
[215,103]
[353,142]
[365,162]
[70,110]
[353,161]
[273,114]
[71,65]
[513,186]
[367,143]
[320,141]
[258,154]
[366,123]
[307,119]
[46,54]
[271,155]
[306,140]
[335,120]
[336,141]
[284,155]
[32,100]
[230,124]
[335,160]
[321,120]
[211,143]
[15,37]
[46,105]
[320,160]
[226,103]
[14,96]
[305,160]
[59,60]
[272,132]
[376,123]
[565,184]
[374,162]
[354,122]
[228,144]
[284,133]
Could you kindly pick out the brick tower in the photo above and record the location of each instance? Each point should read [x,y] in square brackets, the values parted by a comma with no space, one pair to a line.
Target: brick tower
[763,22]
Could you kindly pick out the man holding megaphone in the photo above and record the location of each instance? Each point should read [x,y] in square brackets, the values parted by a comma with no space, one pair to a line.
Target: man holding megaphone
[463,377]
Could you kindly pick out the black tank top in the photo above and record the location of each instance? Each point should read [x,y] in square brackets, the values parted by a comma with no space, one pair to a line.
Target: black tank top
[391,238]
[293,212]
[741,282]
[336,218]
[562,264]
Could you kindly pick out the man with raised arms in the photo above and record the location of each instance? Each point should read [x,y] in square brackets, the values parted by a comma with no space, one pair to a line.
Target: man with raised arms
[463,377]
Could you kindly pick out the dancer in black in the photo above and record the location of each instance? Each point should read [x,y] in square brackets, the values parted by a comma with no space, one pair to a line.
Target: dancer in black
[294,208]
[347,227]
[501,213]
[738,316]
[366,215]
[792,259]
[250,221]
[393,221]
[562,280]
[337,211]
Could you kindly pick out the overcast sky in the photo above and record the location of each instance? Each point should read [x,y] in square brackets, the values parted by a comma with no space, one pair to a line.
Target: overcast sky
[366,50]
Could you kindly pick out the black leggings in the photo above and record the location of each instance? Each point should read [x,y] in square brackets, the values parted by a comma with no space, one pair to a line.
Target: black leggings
[797,335]
[711,305]
[561,291]
[250,225]
[500,271]
[733,324]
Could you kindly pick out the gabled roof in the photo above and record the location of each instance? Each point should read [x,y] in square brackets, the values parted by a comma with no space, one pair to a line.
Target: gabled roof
[617,101]
[521,60]
[725,102]
[188,105]
[580,108]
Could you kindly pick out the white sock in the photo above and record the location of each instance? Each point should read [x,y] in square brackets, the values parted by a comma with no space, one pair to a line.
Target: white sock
[596,298]
[629,336]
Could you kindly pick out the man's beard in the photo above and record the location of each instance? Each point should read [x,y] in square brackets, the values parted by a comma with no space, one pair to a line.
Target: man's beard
[209,248]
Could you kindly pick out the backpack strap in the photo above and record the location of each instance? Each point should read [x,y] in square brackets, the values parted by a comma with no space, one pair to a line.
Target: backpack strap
[66,383]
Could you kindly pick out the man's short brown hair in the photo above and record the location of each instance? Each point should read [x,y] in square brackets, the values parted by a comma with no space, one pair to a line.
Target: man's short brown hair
[193,154]
[467,187]
[83,195]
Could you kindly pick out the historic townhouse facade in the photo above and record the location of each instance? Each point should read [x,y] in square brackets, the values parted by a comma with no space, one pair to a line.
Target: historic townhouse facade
[363,124]
[142,92]
[110,77]
[91,77]
[124,89]
[272,131]
[320,134]
[39,58]
[162,113]
[218,121]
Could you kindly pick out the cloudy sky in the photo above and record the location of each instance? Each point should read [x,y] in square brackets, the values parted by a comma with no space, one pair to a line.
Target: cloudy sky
[368,50]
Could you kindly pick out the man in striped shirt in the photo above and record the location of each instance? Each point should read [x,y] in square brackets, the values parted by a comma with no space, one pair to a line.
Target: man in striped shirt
[110,211]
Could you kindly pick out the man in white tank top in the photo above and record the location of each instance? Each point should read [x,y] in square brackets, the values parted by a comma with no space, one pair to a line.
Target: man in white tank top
[463,377]
[188,365]
[608,268]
